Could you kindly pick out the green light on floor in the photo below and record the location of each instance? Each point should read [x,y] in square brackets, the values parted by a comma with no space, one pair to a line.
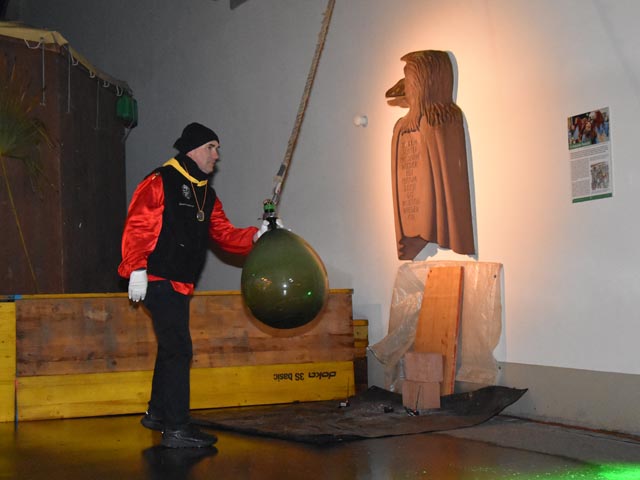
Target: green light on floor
[620,471]
[612,471]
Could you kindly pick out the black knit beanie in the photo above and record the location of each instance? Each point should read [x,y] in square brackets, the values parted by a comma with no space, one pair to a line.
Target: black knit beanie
[193,136]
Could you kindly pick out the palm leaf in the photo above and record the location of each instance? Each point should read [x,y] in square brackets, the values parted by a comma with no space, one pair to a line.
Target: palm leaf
[21,135]
[21,132]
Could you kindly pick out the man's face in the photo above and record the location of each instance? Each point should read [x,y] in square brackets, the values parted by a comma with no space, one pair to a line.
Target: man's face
[205,156]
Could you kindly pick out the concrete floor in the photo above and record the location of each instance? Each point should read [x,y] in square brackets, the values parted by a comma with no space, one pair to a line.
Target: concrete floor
[119,448]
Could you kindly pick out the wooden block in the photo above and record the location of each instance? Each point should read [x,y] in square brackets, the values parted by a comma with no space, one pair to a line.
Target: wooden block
[96,394]
[420,395]
[361,330]
[7,361]
[423,366]
[439,319]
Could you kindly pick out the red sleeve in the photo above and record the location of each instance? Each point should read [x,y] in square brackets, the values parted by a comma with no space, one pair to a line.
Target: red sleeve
[143,224]
[230,238]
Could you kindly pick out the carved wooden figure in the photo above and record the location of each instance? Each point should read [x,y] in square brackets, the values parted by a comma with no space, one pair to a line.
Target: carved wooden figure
[429,160]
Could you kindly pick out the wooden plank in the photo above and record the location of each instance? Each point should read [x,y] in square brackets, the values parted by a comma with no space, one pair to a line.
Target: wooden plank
[74,334]
[270,384]
[199,293]
[57,336]
[97,394]
[439,319]
[225,333]
[7,361]
[84,395]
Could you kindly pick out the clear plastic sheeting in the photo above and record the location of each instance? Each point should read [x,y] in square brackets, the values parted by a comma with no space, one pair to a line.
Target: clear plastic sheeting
[480,323]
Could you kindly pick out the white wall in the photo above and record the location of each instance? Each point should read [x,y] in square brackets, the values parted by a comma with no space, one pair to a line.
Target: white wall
[571,281]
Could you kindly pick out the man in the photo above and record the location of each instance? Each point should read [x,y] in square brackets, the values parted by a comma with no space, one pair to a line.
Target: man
[173,214]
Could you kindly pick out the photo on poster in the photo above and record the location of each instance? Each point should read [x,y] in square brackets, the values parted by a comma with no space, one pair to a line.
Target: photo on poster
[589,142]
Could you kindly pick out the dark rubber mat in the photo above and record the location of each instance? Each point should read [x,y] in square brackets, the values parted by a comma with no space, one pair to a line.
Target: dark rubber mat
[374,413]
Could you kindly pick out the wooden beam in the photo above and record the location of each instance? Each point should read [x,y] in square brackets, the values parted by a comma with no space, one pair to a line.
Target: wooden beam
[74,334]
[7,361]
[439,319]
[97,394]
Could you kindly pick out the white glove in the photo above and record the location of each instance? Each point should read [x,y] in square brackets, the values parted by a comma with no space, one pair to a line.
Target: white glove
[138,285]
[264,228]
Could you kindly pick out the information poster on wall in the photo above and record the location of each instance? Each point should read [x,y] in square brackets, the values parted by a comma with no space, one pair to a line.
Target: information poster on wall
[590,155]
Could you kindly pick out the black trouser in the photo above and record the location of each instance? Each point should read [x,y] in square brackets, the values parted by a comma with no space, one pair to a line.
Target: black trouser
[170,388]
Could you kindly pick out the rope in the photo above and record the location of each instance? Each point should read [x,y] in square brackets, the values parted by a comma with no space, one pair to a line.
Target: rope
[69,80]
[293,139]
[40,45]
[98,105]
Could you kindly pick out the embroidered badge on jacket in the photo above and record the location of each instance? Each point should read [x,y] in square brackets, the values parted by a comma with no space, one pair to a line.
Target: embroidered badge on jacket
[186,192]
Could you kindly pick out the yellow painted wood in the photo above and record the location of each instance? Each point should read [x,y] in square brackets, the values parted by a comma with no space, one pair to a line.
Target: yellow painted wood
[360,332]
[82,395]
[360,344]
[269,384]
[7,361]
[97,394]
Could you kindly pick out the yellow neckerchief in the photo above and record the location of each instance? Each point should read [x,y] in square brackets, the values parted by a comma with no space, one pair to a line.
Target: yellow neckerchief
[174,163]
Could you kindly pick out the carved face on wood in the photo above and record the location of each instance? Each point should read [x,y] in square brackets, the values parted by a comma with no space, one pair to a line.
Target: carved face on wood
[427,85]
[428,76]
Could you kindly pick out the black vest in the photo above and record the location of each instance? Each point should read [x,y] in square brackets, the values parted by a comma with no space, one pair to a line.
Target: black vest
[182,246]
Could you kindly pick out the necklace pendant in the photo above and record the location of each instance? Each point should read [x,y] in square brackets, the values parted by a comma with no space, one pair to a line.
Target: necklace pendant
[200,216]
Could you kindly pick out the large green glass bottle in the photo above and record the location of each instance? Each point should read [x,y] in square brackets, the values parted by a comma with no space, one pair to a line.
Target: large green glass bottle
[284,282]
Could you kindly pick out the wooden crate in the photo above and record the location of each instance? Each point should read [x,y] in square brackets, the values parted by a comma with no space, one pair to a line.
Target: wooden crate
[93,354]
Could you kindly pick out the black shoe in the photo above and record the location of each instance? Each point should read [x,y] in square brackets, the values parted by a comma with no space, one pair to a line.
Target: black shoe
[152,422]
[187,436]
